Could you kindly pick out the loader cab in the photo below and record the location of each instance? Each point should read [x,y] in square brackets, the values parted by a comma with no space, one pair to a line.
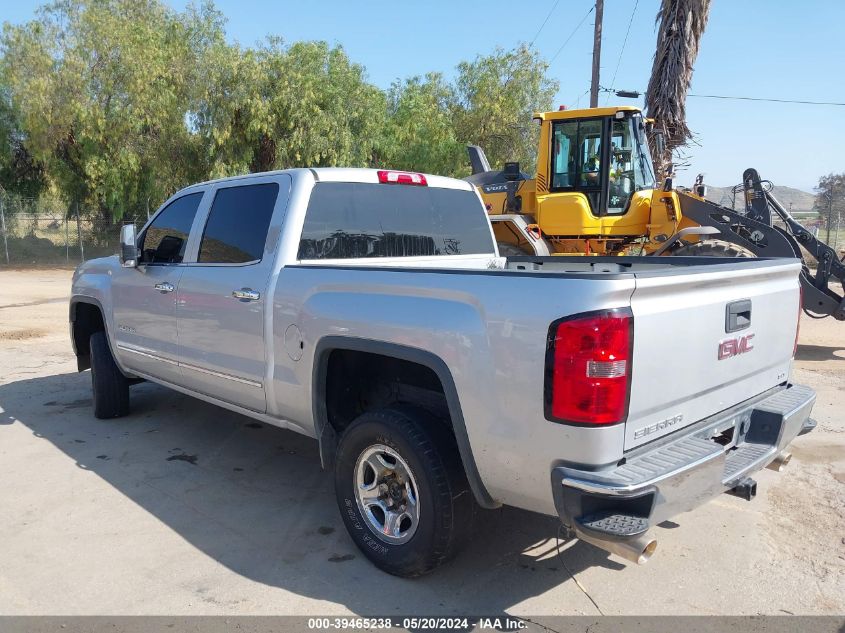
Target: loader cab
[601,153]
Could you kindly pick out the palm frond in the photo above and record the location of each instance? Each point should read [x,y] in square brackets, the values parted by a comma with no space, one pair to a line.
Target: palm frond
[680,26]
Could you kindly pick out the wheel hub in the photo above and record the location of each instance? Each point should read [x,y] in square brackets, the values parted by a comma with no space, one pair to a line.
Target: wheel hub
[395,491]
[386,494]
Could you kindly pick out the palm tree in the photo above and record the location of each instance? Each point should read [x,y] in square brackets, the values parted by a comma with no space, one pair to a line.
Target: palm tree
[680,25]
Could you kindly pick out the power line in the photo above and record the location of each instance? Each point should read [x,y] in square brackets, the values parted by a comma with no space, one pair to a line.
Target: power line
[537,34]
[571,35]
[827,103]
[581,96]
[622,50]
[635,94]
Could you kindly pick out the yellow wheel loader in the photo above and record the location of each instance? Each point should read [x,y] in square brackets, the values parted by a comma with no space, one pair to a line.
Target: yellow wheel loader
[596,193]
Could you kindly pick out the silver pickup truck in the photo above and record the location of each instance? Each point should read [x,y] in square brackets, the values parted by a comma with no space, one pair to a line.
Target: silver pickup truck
[371,310]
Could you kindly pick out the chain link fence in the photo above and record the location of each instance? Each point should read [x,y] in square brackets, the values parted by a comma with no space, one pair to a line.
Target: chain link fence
[46,233]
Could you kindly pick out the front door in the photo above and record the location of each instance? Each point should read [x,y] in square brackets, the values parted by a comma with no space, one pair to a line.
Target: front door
[222,297]
[145,297]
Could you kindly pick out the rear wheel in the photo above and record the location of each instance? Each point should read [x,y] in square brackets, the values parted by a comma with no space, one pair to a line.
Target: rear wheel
[109,385]
[402,491]
[712,248]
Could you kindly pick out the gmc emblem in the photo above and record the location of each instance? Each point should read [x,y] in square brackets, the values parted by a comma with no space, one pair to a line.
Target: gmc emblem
[735,346]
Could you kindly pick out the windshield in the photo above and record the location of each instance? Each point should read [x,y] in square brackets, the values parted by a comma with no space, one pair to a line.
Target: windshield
[630,163]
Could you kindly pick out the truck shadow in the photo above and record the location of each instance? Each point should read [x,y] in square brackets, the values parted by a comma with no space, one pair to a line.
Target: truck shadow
[253,498]
[819,352]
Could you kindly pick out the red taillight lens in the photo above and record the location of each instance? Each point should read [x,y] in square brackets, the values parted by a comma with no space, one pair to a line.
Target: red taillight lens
[589,370]
[401,178]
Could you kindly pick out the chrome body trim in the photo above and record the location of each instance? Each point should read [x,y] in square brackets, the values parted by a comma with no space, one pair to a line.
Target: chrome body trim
[210,372]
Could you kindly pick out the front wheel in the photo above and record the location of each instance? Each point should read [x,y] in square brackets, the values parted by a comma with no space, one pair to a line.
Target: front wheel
[402,491]
[110,386]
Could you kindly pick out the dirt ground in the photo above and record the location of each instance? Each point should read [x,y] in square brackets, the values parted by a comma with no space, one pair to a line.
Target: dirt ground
[183,508]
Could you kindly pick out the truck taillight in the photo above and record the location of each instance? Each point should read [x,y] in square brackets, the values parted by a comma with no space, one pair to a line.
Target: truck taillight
[401,178]
[588,368]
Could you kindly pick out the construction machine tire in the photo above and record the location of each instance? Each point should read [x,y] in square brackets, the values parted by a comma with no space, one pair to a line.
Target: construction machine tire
[711,248]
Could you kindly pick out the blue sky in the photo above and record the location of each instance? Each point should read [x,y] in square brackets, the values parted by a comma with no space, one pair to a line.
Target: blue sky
[756,48]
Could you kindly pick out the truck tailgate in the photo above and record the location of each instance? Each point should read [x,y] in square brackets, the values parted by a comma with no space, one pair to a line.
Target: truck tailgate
[687,365]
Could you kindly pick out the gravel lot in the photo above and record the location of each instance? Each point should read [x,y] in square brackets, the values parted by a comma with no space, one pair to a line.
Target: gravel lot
[184,508]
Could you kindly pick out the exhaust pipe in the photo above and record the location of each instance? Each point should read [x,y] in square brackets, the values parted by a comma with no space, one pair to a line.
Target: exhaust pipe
[637,550]
[780,462]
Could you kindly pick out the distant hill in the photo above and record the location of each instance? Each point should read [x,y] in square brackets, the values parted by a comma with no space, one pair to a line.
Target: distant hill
[800,200]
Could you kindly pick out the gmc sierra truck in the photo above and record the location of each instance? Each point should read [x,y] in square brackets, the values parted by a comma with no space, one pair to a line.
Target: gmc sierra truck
[371,311]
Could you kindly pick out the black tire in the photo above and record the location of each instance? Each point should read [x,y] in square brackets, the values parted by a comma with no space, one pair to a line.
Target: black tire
[109,385]
[446,503]
[711,248]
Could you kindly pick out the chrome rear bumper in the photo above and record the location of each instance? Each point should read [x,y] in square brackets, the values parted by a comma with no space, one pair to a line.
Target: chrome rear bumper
[682,471]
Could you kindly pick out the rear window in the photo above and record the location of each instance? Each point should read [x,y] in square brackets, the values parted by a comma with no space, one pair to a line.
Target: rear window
[349,220]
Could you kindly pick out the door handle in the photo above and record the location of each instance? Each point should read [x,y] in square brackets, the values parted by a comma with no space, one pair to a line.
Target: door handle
[246,294]
[164,286]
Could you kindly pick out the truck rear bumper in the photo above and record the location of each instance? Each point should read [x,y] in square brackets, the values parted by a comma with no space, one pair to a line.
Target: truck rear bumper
[682,471]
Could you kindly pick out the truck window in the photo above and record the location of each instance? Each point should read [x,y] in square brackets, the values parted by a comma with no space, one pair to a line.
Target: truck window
[165,239]
[353,220]
[237,224]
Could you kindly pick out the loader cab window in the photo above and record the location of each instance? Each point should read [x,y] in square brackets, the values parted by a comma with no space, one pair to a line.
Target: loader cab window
[577,154]
[576,157]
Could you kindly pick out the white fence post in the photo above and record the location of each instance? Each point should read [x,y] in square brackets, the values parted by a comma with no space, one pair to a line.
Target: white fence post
[79,234]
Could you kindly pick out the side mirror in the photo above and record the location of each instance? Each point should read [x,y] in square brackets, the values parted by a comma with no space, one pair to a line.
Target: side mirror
[128,247]
[659,143]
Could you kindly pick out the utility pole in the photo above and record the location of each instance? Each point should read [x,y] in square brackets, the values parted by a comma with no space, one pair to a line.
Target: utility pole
[594,85]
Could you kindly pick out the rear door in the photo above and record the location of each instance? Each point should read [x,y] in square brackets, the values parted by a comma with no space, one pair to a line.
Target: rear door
[145,297]
[707,338]
[223,293]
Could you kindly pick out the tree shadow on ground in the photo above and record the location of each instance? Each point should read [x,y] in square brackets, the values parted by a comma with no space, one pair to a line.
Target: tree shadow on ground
[254,498]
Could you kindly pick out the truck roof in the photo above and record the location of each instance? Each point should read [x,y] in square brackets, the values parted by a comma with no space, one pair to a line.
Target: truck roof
[339,174]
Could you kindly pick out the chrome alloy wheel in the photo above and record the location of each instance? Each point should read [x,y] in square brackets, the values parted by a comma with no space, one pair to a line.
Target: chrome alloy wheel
[386,493]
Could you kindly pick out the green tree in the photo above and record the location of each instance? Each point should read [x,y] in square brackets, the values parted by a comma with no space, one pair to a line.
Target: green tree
[102,87]
[277,107]
[419,134]
[20,172]
[115,104]
[830,203]
[495,97]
